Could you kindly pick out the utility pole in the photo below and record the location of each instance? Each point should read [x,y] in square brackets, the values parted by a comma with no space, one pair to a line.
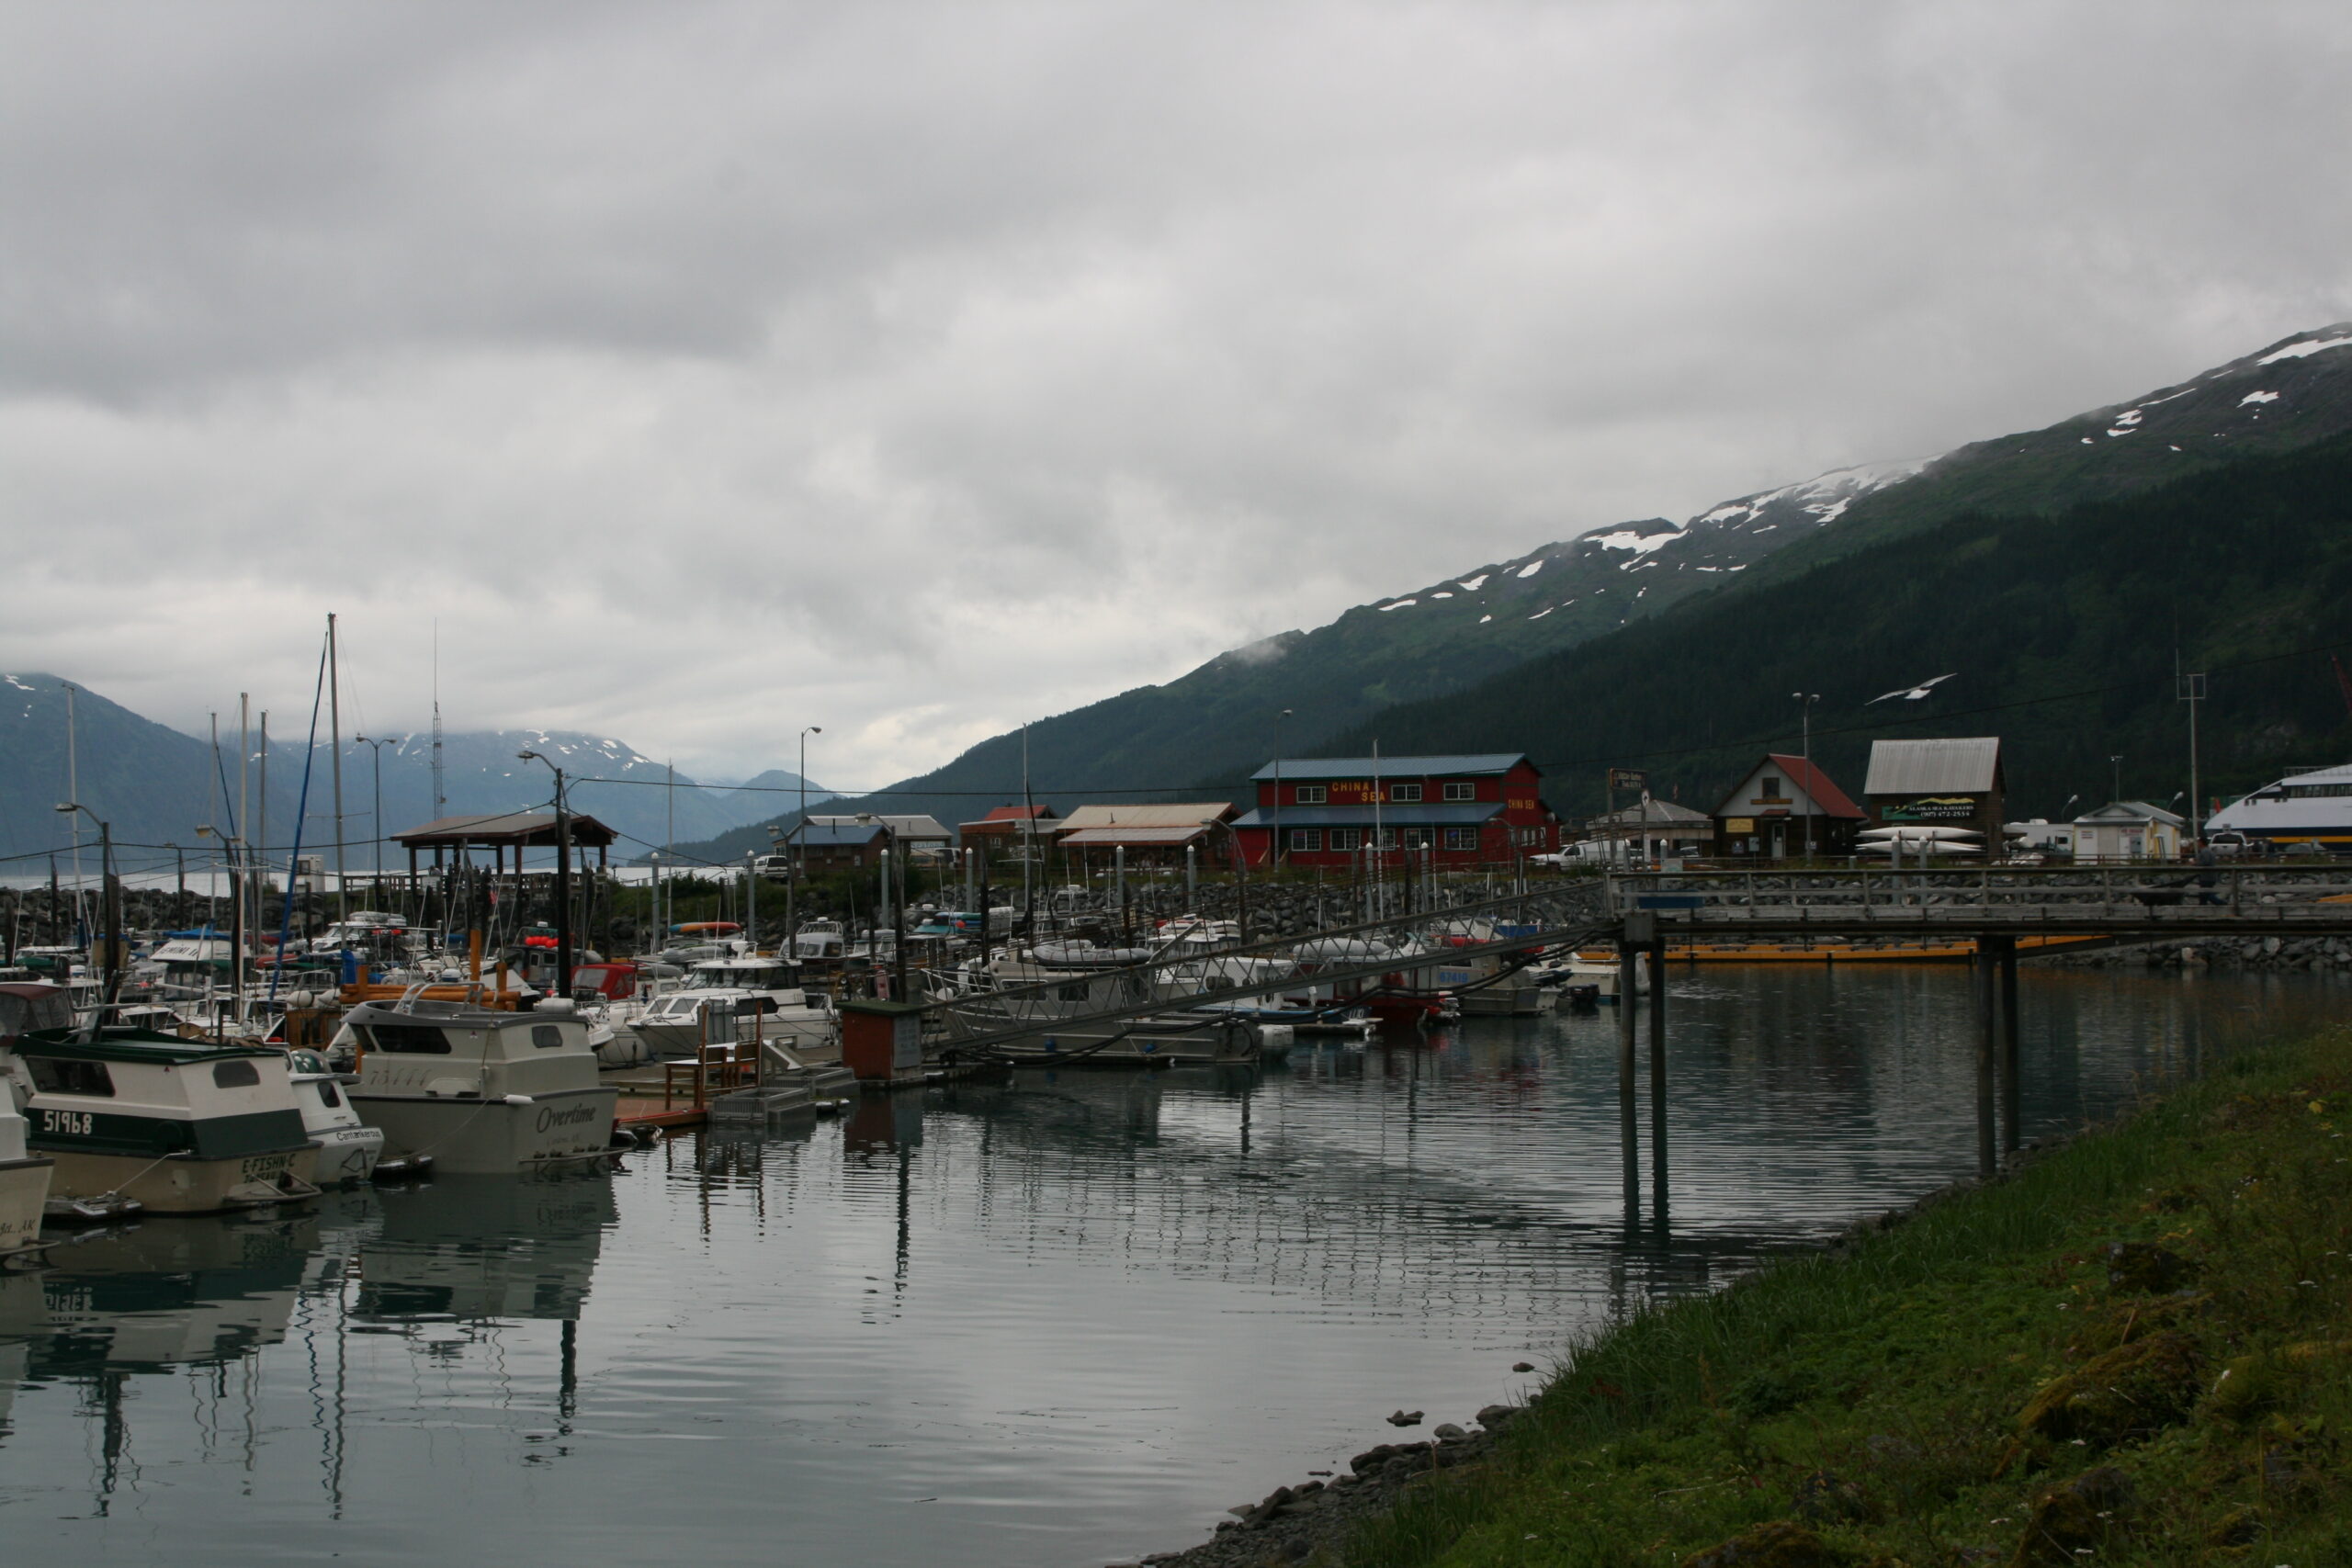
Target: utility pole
[1806,700]
[562,878]
[2191,688]
[2116,762]
[1274,860]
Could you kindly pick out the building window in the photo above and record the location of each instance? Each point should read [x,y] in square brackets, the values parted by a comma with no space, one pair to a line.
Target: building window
[1347,840]
[1309,795]
[1404,793]
[1418,838]
[1460,838]
[1306,839]
[1461,790]
[1771,788]
[1383,838]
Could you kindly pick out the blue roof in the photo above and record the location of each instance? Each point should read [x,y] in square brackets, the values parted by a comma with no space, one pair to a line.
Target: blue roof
[1391,767]
[1408,814]
[851,834]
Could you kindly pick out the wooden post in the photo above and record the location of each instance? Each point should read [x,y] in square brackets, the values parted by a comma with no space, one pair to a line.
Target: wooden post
[1657,1079]
[1982,980]
[2012,1096]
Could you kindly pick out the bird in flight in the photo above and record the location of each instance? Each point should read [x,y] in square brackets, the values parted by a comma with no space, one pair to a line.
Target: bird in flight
[1912,694]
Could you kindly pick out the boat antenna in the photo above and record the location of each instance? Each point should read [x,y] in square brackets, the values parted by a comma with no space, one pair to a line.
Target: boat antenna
[334,750]
[1028,841]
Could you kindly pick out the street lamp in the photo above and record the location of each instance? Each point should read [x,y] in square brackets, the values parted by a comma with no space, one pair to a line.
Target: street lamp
[563,879]
[110,901]
[1805,700]
[1275,860]
[803,777]
[2116,762]
[376,749]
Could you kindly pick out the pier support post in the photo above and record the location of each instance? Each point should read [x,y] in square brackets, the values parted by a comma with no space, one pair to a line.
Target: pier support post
[1628,999]
[1658,1080]
[1981,983]
[2012,1096]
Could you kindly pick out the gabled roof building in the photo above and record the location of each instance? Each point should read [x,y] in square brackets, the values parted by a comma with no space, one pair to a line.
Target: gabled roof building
[1786,806]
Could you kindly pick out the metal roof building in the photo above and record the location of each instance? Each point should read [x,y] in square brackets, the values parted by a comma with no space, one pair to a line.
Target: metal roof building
[1311,768]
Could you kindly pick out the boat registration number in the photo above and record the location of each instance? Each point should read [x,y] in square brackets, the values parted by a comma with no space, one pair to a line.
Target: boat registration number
[264,1165]
[78,1121]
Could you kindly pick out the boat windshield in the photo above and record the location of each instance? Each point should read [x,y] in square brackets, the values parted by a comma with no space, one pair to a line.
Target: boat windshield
[739,977]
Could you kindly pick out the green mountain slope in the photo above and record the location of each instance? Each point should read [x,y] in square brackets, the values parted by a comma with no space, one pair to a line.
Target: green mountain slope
[2289,395]
[2060,628]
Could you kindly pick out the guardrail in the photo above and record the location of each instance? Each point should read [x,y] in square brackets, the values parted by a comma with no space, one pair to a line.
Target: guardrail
[2105,896]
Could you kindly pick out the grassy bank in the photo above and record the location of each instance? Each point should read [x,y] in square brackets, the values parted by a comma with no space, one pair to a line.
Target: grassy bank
[2137,1350]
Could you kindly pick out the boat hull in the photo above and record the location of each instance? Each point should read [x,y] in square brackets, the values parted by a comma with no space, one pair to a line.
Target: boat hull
[347,1155]
[478,1137]
[23,1188]
[181,1184]
[684,1042]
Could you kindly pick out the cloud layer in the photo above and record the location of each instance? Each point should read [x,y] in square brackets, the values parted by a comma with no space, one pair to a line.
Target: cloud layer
[706,370]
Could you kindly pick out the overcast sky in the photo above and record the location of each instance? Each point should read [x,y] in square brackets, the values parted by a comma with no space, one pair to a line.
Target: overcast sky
[712,370]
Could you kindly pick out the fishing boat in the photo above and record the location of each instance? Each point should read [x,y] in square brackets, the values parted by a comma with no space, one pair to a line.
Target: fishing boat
[177,1126]
[350,1152]
[23,1183]
[482,1090]
[672,1027]
[820,941]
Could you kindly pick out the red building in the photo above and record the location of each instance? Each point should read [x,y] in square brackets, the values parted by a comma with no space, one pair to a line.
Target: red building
[1463,811]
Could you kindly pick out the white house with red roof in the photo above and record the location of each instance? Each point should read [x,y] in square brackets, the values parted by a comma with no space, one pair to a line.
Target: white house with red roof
[1784,804]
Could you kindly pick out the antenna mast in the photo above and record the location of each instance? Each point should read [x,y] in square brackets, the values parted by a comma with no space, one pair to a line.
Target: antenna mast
[440,800]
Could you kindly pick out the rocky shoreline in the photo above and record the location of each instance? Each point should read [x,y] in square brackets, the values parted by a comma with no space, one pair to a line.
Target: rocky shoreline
[1291,1524]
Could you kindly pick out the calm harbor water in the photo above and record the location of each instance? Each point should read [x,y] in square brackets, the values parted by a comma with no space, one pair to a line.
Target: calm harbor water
[1046,1322]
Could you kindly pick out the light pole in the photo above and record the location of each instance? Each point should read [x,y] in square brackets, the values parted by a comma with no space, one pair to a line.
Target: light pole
[1275,860]
[803,776]
[376,750]
[563,879]
[1805,700]
[898,908]
[110,903]
[2116,762]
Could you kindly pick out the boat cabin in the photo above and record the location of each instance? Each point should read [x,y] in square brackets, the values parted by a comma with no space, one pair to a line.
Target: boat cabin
[27,1005]
[452,1051]
[136,1093]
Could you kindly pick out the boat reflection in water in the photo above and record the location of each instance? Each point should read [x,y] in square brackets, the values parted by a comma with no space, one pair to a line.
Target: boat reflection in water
[485,1247]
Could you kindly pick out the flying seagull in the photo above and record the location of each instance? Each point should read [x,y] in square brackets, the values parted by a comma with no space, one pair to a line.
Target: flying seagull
[1912,694]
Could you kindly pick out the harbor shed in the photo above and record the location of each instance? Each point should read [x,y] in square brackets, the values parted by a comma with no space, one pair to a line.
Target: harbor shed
[843,844]
[1652,830]
[1938,783]
[1152,835]
[1786,806]
[2128,829]
[923,836]
[1009,827]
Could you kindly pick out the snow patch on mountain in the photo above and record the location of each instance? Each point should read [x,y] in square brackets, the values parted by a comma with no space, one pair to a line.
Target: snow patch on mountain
[2304,349]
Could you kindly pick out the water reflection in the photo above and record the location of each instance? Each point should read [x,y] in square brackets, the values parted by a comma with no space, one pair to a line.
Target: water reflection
[950,1324]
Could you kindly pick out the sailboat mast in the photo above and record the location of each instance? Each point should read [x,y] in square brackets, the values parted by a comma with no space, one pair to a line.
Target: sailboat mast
[261,830]
[334,741]
[74,793]
[244,818]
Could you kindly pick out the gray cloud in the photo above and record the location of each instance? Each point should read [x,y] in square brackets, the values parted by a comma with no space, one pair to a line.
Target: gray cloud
[708,369]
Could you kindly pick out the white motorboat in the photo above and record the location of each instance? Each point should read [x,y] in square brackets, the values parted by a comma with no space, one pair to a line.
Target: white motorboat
[350,1152]
[482,1090]
[23,1182]
[177,1126]
[674,1026]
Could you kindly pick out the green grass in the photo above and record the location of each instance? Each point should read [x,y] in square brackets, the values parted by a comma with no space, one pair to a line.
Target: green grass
[1889,1379]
